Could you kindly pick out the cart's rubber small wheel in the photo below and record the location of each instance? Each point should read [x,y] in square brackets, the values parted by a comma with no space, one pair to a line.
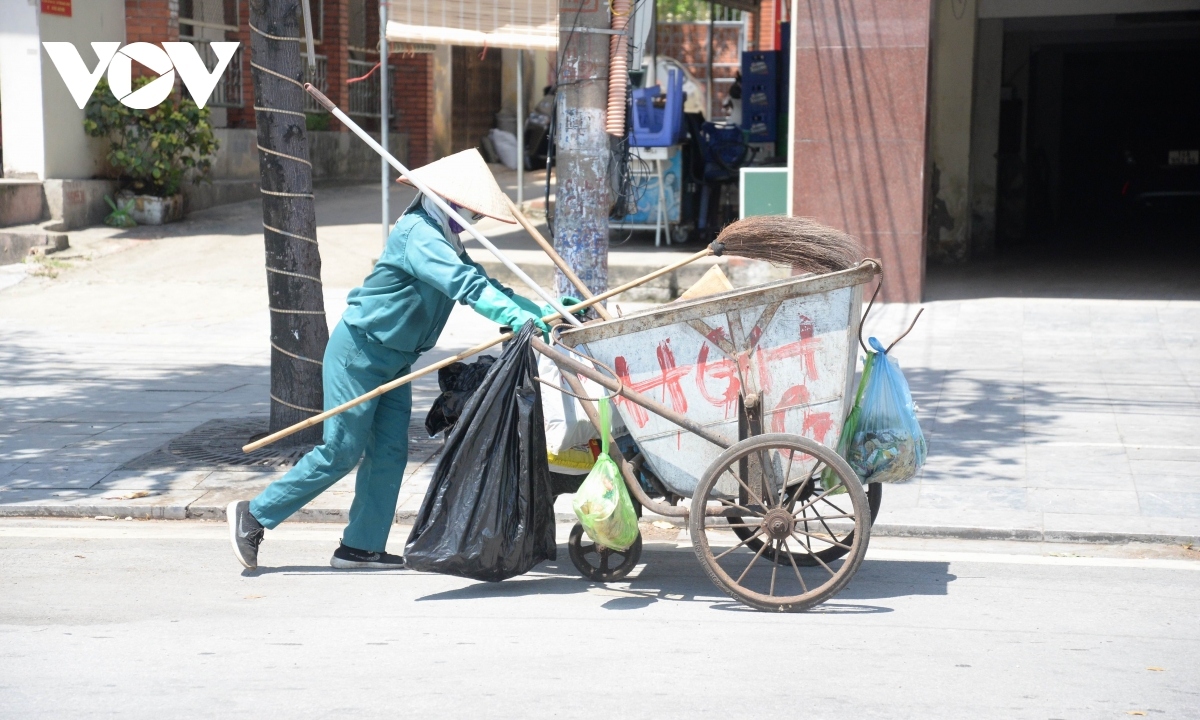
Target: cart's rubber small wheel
[596,562]
[761,481]
[874,499]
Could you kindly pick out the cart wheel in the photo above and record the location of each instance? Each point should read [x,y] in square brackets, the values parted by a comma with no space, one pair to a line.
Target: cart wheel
[773,471]
[744,532]
[596,562]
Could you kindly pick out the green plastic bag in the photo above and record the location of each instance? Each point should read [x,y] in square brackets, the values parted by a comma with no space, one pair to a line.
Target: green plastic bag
[602,502]
[850,427]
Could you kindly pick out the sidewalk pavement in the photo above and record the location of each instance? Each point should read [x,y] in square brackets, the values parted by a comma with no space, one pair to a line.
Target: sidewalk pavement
[1060,402]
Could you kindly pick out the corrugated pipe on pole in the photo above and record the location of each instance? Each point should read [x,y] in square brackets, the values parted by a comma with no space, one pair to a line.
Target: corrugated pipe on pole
[618,69]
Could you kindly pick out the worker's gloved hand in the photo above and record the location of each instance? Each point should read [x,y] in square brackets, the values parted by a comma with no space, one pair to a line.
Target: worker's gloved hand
[502,310]
[527,305]
[566,301]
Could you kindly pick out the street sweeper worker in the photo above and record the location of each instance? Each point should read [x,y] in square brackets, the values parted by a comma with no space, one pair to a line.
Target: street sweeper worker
[395,316]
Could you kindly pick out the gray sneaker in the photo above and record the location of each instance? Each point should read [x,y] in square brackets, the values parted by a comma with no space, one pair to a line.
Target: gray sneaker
[245,532]
[345,558]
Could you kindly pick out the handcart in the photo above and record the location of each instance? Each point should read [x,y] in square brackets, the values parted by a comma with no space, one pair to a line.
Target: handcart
[733,402]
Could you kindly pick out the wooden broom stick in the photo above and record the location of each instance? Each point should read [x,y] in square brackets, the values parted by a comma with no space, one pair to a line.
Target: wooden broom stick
[387,387]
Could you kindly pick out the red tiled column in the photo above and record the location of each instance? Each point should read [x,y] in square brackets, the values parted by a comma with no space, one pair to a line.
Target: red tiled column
[860,95]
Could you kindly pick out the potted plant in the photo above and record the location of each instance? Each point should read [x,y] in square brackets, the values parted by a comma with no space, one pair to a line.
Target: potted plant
[153,150]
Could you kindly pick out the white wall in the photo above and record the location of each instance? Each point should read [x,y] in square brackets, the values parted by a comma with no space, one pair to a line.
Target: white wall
[69,152]
[21,90]
[953,54]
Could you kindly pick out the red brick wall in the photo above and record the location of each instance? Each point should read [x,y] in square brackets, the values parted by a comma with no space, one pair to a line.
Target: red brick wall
[765,26]
[152,21]
[412,98]
[333,46]
[243,117]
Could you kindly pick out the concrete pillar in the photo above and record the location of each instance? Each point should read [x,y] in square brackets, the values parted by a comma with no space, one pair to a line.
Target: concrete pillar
[21,88]
[582,157]
[951,79]
[985,135]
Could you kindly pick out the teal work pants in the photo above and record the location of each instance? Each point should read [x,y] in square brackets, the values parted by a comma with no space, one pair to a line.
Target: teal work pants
[376,431]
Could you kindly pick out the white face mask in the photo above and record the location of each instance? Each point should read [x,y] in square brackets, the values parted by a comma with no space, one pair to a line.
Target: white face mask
[470,216]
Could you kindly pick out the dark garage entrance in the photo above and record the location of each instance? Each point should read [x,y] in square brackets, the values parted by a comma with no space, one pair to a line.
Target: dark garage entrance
[1099,148]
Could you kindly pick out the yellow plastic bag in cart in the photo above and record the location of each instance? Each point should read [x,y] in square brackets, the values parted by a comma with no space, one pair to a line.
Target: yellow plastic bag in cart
[602,502]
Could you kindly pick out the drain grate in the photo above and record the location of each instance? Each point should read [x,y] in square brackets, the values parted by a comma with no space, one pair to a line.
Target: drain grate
[219,442]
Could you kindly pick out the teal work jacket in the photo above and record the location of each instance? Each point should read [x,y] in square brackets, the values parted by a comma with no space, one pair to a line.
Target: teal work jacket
[405,301]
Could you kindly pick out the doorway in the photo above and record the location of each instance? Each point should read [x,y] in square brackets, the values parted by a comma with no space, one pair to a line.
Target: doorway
[1099,137]
[476,95]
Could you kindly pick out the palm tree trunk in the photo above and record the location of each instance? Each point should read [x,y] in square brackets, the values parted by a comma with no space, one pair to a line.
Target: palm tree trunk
[298,329]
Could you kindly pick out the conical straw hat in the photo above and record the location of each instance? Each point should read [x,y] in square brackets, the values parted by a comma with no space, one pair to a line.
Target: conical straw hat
[465,180]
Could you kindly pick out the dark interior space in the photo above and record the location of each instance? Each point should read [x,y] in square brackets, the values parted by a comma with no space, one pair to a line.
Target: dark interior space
[1099,151]
[475,95]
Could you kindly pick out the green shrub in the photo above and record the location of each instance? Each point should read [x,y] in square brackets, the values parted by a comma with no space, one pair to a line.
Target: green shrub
[152,149]
[316,121]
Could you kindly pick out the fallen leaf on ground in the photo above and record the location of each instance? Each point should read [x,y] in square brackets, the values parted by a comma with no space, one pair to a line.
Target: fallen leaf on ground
[1155,669]
[255,597]
[1135,712]
[130,496]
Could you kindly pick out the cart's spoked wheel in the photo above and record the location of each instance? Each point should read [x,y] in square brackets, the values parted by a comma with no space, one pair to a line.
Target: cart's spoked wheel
[795,525]
[599,563]
[744,531]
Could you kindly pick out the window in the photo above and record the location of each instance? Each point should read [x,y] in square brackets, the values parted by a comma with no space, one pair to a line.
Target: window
[317,8]
[207,19]
[357,36]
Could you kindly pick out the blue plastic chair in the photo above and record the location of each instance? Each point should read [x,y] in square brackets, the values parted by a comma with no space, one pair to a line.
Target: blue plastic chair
[657,127]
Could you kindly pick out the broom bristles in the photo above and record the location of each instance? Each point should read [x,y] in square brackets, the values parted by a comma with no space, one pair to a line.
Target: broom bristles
[801,242]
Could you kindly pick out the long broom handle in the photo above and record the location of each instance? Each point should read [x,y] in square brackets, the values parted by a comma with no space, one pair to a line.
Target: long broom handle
[555,257]
[387,387]
[441,203]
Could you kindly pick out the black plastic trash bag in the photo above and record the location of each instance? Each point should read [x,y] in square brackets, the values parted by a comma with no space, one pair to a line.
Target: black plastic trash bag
[489,510]
[458,381]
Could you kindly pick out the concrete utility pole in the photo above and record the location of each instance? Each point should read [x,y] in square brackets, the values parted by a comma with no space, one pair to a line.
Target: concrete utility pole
[583,196]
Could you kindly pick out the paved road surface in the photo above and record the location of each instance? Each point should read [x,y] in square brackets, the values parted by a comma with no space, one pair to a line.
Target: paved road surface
[154,619]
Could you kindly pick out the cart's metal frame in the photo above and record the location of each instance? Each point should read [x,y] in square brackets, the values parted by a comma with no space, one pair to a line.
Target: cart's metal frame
[778,291]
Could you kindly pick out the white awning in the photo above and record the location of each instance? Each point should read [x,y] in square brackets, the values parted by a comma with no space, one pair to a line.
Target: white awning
[526,24]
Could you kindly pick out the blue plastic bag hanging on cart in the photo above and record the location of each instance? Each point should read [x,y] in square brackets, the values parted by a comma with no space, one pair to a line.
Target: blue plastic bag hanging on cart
[885,443]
